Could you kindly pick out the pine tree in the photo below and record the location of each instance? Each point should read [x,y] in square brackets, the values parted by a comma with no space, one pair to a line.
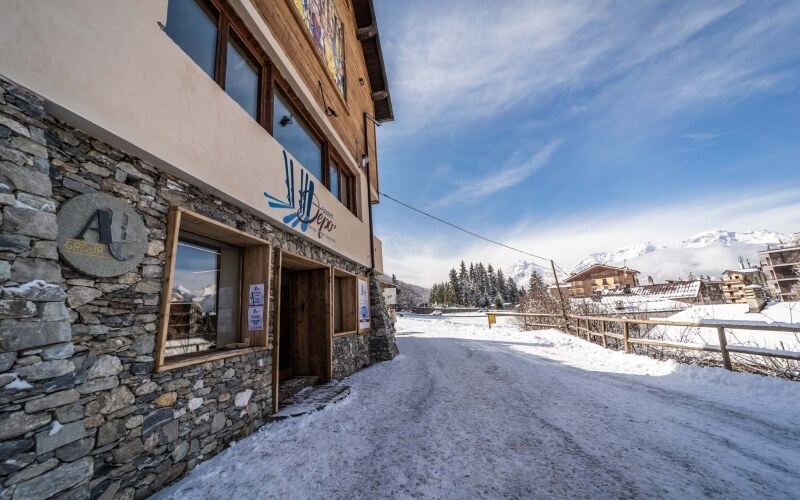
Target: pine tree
[536,284]
[513,293]
[491,281]
[453,282]
[501,286]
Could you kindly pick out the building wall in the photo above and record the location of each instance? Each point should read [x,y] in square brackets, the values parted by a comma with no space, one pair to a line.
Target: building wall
[280,16]
[779,267]
[109,67]
[613,281]
[82,412]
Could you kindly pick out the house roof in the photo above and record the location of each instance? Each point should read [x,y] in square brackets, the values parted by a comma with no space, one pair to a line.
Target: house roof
[671,290]
[611,304]
[588,270]
[367,33]
[741,271]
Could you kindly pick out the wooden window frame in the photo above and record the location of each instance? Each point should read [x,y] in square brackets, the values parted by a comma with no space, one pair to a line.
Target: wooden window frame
[341,273]
[347,177]
[270,83]
[256,268]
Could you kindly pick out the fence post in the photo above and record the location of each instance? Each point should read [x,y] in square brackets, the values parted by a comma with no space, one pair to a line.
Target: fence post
[525,319]
[605,339]
[588,330]
[723,347]
[625,335]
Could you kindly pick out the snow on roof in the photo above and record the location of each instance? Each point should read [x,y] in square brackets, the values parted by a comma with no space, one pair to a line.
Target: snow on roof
[632,303]
[743,271]
[671,290]
[581,273]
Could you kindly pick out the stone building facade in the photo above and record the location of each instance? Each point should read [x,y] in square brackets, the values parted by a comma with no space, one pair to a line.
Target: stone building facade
[89,408]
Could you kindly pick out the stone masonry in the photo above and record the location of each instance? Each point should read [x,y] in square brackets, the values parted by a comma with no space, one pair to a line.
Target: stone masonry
[82,413]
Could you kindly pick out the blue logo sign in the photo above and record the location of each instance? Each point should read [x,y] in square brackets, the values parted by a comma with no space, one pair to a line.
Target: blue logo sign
[305,209]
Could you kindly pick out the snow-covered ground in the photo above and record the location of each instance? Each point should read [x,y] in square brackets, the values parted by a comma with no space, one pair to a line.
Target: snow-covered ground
[785,313]
[469,412]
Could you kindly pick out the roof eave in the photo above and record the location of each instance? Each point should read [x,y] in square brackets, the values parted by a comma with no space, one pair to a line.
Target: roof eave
[367,32]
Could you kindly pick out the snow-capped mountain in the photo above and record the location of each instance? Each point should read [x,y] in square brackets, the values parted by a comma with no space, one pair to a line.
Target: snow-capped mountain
[705,254]
[729,238]
[522,270]
[620,255]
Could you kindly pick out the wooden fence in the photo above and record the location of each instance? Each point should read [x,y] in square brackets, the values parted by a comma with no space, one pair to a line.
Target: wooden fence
[604,329]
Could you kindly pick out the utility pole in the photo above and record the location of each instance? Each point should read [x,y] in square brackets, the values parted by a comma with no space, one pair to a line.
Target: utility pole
[560,297]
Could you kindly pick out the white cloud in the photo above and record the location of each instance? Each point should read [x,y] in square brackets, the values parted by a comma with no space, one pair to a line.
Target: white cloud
[425,254]
[454,65]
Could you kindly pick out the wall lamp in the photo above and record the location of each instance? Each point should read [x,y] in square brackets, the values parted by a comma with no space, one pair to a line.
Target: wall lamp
[286,120]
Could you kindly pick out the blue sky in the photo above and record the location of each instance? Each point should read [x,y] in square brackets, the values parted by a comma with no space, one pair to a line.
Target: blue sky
[567,127]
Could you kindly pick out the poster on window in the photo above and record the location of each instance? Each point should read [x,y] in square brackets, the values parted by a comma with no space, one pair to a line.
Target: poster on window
[255,318]
[257,294]
[363,305]
[327,33]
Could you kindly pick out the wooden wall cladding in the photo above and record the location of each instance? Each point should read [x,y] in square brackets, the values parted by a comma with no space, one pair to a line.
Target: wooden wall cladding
[282,20]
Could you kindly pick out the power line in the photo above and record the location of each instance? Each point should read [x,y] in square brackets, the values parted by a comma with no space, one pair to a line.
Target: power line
[426,214]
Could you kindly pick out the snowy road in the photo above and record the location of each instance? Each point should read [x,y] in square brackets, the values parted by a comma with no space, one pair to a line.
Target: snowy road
[466,412]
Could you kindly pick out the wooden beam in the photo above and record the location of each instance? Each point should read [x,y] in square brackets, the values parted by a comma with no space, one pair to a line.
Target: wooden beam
[171,246]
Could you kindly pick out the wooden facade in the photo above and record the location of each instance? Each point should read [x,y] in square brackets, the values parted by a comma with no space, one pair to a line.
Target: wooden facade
[598,278]
[283,20]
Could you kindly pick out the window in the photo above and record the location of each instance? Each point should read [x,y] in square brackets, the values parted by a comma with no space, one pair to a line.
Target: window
[345,303]
[340,182]
[211,270]
[204,297]
[241,78]
[295,136]
[193,27]
[213,37]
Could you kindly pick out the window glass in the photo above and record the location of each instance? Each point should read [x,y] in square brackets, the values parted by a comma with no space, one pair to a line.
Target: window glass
[334,180]
[337,305]
[241,78]
[295,137]
[205,296]
[346,185]
[194,28]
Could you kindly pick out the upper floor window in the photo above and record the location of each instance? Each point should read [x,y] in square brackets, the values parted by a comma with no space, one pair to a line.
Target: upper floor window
[209,36]
[296,137]
[193,26]
[341,184]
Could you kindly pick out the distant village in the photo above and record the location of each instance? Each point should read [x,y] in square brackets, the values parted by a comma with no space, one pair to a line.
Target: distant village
[614,290]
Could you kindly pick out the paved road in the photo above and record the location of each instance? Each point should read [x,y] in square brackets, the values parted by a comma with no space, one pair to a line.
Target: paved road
[459,418]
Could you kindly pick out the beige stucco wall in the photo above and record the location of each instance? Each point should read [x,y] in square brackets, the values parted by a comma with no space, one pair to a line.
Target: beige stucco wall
[108,67]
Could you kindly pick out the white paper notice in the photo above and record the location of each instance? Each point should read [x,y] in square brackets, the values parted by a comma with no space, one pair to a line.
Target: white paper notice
[255,318]
[257,294]
[363,305]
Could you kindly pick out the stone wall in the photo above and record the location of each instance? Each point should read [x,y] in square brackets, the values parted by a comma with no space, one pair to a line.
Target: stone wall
[41,414]
[82,414]
[350,354]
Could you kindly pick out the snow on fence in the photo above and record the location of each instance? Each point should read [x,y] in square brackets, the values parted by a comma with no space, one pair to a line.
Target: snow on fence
[686,341]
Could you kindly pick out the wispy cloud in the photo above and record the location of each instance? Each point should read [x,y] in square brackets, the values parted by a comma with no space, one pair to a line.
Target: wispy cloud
[703,136]
[459,65]
[515,170]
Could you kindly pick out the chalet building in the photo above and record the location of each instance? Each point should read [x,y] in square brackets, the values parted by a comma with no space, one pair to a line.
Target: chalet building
[186,191]
[782,268]
[735,282]
[600,278]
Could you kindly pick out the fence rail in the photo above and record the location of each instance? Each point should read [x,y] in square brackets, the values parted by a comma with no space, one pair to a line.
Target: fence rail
[597,327]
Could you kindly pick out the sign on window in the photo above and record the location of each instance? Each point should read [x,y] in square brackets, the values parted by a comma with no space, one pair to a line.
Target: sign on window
[363,305]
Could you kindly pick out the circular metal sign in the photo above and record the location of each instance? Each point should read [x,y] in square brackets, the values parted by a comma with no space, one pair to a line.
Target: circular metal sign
[100,235]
